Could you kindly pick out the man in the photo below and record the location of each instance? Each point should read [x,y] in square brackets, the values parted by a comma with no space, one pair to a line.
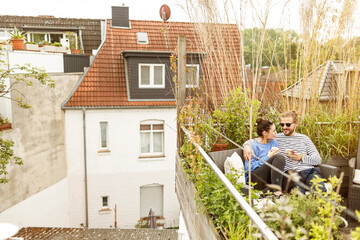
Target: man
[299,151]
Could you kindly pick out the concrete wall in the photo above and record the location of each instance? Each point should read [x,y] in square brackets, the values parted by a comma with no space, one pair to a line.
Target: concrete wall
[51,62]
[49,208]
[39,137]
[120,172]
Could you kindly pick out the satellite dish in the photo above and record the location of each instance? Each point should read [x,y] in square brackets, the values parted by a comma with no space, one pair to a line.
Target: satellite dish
[165,12]
[7,230]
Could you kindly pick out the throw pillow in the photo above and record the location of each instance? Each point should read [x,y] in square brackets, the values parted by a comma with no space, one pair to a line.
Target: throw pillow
[235,165]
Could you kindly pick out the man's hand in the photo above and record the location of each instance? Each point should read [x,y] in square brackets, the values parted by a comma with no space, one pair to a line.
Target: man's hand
[294,155]
[248,152]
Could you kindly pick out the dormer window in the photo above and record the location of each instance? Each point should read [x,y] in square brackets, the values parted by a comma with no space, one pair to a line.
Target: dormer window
[142,38]
[151,75]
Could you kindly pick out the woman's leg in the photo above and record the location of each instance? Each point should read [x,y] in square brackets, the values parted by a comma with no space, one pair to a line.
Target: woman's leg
[265,175]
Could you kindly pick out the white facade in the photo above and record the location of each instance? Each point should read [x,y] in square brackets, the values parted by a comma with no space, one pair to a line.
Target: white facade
[118,172]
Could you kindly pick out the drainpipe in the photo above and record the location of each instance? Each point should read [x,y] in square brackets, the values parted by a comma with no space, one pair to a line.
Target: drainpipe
[85,173]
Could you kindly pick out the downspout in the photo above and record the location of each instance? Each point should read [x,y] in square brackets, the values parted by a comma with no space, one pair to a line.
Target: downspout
[85,172]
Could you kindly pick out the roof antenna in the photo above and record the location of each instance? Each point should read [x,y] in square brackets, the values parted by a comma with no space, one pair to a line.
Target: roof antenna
[165,12]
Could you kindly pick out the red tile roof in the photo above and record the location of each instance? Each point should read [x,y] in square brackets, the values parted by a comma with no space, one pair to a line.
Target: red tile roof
[42,233]
[104,85]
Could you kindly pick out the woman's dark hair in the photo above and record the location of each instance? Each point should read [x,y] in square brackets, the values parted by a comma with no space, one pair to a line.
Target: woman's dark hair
[262,125]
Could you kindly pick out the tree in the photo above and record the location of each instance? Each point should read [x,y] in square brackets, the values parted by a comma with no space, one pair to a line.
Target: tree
[280,46]
[27,76]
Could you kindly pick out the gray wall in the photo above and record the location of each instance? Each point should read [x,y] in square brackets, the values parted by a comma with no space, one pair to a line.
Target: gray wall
[39,138]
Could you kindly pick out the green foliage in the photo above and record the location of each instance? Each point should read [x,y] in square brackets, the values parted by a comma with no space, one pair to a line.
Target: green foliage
[296,216]
[16,34]
[234,115]
[28,74]
[7,155]
[57,44]
[331,133]
[45,43]
[355,234]
[278,42]
[226,213]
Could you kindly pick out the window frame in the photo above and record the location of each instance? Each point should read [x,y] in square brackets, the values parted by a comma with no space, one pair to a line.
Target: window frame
[197,76]
[151,75]
[107,201]
[151,152]
[106,135]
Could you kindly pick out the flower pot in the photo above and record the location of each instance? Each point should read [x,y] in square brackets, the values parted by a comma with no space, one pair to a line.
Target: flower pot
[219,147]
[75,51]
[18,44]
[5,126]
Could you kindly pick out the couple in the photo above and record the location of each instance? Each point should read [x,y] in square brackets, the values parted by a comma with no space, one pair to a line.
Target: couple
[287,151]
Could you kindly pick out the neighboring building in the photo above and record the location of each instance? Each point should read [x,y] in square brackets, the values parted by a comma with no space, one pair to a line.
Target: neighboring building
[121,124]
[83,34]
[36,192]
[326,82]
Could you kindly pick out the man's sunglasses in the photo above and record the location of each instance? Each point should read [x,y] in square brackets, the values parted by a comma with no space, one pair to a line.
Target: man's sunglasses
[287,124]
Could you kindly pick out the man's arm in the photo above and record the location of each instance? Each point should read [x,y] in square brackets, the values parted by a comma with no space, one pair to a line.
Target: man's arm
[312,156]
[248,151]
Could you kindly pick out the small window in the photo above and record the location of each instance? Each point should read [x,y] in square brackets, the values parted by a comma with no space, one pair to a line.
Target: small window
[151,75]
[152,138]
[192,75]
[104,137]
[142,38]
[105,202]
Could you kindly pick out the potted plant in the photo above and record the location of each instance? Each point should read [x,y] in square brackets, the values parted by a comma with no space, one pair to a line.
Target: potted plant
[59,47]
[31,46]
[17,39]
[4,123]
[48,46]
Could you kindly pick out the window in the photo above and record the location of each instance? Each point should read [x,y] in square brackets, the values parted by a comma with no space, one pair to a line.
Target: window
[192,75]
[152,138]
[105,202]
[104,135]
[151,197]
[151,75]
[38,37]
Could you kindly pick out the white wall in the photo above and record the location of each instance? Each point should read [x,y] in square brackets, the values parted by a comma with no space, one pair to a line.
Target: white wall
[48,208]
[51,62]
[119,173]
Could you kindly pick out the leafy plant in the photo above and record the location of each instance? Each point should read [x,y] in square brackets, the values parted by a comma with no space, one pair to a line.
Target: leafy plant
[234,115]
[57,44]
[16,34]
[355,234]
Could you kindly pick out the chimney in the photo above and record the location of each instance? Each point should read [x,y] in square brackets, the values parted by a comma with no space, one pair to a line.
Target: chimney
[120,17]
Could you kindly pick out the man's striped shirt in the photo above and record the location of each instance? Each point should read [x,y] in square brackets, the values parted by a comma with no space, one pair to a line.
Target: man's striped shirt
[301,144]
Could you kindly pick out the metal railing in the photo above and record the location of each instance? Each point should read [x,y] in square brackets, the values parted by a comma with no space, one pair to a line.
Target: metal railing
[263,228]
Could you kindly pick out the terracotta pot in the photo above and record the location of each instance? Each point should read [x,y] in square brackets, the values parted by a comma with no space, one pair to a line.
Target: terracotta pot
[18,44]
[75,51]
[5,126]
[219,147]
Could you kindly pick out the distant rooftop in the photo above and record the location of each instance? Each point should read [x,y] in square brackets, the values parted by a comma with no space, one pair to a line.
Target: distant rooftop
[29,233]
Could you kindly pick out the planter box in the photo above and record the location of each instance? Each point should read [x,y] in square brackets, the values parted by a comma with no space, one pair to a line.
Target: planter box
[49,48]
[198,225]
[7,47]
[32,47]
[5,126]
[60,49]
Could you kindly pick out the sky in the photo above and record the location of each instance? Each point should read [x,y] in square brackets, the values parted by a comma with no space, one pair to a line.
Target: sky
[149,10]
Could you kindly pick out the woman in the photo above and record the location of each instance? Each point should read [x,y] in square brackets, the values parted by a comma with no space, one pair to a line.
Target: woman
[266,148]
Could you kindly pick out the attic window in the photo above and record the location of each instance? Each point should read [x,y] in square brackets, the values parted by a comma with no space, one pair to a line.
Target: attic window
[142,38]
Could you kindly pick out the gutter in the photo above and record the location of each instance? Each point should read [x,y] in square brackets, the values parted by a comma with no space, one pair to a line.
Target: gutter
[85,171]
[118,107]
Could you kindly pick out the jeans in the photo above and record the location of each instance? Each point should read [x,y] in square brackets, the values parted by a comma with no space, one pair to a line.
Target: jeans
[306,177]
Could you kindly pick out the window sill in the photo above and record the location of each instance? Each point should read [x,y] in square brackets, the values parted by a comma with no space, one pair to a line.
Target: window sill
[105,211]
[104,151]
[152,158]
